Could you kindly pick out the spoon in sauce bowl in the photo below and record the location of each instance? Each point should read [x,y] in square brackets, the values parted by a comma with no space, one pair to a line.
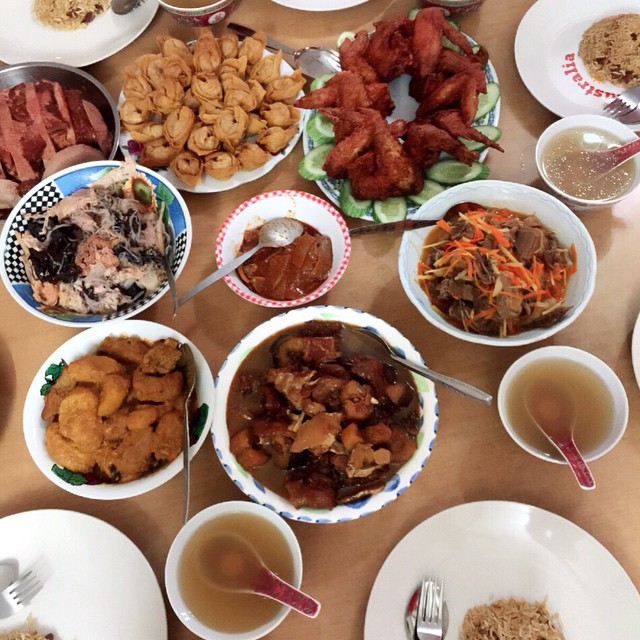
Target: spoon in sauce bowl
[597,162]
[275,233]
[238,567]
[554,413]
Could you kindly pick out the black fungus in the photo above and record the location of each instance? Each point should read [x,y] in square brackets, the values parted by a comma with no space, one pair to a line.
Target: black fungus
[56,263]
[133,291]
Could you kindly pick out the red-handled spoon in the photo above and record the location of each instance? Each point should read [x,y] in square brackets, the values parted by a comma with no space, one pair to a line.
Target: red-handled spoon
[553,412]
[238,567]
[603,161]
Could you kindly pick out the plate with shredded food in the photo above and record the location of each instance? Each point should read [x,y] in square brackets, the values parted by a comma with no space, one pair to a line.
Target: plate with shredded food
[575,57]
[25,36]
[95,580]
[503,561]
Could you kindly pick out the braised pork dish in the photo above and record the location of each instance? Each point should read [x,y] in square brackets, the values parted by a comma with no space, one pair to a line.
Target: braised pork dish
[287,273]
[495,271]
[318,420]
[117,414]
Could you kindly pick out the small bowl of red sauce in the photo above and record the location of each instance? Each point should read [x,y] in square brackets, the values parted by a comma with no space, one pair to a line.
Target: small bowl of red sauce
[288,276]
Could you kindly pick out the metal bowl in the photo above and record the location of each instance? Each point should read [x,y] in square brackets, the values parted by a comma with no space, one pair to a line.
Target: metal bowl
[71,78]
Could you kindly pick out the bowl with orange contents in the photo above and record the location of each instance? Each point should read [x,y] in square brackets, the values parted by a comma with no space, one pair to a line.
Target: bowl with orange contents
[295,274]
[509,265]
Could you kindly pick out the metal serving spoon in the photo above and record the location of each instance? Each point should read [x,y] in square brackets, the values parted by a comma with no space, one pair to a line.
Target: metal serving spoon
[312,61]
[278,232]
[122,7]
[554,413]
[447,381]
[239,567]
[187,365]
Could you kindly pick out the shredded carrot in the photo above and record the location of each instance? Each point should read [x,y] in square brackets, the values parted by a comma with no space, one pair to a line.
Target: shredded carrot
[490,252]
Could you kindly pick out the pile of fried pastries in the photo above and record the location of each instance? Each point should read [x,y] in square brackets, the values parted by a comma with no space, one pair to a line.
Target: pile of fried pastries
[444,81]
[117,414]
[216,108]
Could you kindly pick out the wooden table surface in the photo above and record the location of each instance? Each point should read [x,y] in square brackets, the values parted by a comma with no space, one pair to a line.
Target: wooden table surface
[473,458]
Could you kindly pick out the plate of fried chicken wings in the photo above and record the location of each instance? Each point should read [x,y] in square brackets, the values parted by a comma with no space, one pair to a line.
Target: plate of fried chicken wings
[414,110]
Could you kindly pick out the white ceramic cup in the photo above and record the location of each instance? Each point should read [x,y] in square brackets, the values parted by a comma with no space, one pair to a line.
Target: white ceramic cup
[597,366]
[177,548]
[619,130]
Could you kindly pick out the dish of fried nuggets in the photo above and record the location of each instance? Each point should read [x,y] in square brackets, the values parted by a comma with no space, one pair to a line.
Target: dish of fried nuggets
[117,414]
[384,159]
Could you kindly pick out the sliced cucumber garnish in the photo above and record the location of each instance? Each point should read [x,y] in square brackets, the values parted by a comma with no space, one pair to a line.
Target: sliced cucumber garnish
[320,129]
[310,167]
[412,14]
[429,190]
[321,81]
[456,172]
[390,210]
[344,36]
[491,132]
[487,100]
[349,205]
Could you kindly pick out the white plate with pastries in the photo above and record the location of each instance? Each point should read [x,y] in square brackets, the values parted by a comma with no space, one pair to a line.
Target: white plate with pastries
[207,183]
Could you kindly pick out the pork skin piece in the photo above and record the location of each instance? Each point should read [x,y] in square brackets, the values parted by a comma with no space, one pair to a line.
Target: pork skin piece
[313,350]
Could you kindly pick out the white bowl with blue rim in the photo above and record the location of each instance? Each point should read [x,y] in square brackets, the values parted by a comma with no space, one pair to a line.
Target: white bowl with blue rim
[521,198]
[395,486]
[47,193]
[87,342]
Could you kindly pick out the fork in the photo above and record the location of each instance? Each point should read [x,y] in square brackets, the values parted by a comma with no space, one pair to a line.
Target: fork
[429,613]
[18,594]
[623,104]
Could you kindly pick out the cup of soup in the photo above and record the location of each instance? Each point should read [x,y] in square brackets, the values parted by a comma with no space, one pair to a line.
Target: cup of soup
[593,389]
[196,554]
[199,13]
[563,164]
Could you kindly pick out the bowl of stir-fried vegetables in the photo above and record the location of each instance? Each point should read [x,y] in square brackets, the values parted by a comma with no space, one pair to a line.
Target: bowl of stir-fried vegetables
[505,264]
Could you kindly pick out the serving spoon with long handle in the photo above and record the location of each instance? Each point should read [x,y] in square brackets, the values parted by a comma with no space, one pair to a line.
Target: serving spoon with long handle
[187,365]
[447,381]
[554,413]
[314,62]
[278,232]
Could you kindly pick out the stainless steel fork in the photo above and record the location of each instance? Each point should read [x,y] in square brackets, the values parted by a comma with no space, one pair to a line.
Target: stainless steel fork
[430,607]
[623,104]
[18,594]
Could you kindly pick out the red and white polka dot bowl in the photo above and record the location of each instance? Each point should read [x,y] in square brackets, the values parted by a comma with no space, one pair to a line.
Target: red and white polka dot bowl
[206,14]
[306,208]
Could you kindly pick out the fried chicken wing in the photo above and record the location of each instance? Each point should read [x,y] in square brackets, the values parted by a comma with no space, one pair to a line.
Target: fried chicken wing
[424,138]
[451,121]
[390,48]
[426,41]
[352,57]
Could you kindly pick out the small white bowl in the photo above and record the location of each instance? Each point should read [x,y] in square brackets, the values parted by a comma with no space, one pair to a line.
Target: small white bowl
[171,571]
[523,199]
[395,486]
[606,375]
[82,344]
[589,121]
[300,205]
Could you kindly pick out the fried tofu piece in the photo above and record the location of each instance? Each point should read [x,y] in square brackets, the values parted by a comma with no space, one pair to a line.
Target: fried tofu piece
[130,459]
[146,388]
[58,391]
[74,439]
[142,417]
[167,437]
[92,369]
[130,350]
[67,453]
[162,358]
[113,393]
